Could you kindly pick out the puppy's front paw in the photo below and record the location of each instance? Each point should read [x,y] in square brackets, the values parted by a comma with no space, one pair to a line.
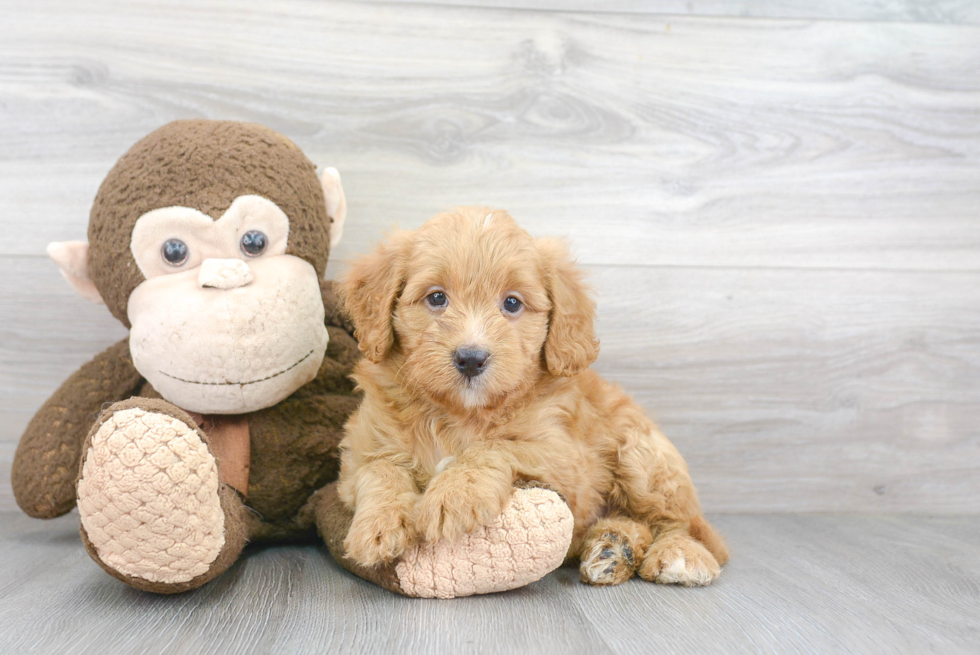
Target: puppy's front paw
[379,535]
[458,501]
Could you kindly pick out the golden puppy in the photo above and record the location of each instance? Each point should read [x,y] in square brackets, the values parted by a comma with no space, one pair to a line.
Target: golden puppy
[478,341]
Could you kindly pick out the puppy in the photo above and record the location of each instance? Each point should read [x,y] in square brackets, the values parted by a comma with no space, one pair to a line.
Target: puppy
[477,341]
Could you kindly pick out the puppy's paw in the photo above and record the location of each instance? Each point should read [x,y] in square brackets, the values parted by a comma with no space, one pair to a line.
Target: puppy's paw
[457,502]
[679,559]
[380,535]
[610,560]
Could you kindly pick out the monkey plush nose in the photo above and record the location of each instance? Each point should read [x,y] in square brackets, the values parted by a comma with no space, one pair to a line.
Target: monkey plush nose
[470,361]
[224,274]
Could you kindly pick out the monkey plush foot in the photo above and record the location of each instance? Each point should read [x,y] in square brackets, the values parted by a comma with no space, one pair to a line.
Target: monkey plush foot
[154,513]
[528,540]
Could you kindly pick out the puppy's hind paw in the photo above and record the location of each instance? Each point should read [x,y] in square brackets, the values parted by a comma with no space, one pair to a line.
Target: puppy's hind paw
[612,550]
[679,560]
[610,560]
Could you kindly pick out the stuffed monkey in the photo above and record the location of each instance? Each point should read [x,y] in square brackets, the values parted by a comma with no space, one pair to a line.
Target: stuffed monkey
[216,423]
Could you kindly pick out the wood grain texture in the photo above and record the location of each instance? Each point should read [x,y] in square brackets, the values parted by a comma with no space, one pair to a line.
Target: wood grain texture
[794,390]
[796,584]
[934,11]
[685,142]
[781,216]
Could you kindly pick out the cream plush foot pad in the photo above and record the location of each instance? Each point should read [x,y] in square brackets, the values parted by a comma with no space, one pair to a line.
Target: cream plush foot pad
[148,497]
[526,542]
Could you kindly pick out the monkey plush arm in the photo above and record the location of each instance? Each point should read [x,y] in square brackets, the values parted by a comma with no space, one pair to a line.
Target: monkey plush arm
[47,459]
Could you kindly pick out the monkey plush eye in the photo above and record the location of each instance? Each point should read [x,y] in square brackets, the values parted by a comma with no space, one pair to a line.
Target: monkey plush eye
[174,252]
[254,243]
[512,304]
[437,300]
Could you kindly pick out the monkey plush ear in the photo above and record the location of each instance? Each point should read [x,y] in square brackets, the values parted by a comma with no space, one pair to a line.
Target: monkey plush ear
[72,259]
[333,193]
[571,345]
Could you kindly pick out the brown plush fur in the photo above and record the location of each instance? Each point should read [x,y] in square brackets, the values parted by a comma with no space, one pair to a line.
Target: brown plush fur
[536,413]
[294,444]
[205,165]
[46,463]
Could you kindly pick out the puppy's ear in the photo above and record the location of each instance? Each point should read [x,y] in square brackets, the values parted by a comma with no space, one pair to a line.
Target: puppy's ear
[369,291]
[571,344]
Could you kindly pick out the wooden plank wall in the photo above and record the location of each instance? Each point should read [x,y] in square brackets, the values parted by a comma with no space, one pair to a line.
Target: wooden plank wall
[777,201]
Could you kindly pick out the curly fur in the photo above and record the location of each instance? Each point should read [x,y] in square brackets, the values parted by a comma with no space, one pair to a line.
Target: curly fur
[536,413]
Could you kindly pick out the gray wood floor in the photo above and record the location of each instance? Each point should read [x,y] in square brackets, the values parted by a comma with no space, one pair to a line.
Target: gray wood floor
[797,584]
[777,200]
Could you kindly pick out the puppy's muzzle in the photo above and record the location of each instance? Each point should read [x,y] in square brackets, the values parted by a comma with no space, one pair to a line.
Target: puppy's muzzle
[470,361]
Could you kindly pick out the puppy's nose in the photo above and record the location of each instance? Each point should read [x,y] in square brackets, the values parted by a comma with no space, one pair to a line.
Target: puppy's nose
[470,361]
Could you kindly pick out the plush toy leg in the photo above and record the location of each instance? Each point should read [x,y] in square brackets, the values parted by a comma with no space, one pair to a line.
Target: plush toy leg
[527,541]
[154,513]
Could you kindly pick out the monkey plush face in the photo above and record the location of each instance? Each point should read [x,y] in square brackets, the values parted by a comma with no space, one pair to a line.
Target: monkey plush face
[226,321]
[209,239]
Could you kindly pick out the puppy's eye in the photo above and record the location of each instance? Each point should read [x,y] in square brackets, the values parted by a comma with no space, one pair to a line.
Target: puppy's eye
[174,252]
[253,243]
[437,300]
[512,304]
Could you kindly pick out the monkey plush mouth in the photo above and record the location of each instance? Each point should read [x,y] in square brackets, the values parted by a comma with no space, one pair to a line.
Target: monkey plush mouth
[242,384]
